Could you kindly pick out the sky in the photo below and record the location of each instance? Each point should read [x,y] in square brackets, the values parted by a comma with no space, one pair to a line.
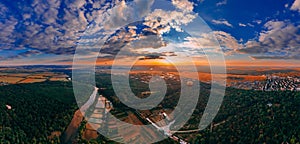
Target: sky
[256,33]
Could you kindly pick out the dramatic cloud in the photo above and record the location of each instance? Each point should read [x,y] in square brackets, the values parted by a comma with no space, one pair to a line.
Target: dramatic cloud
[275,57]
[183,5]
[139,37]
[149,41]
[51,26]
[227,42]
[164,20]
[39,28]
[125,13]
[296,6]
[279,38]
[151,57]
[127,42]
[55,27]
[23,54]
[209,43]
[222,22]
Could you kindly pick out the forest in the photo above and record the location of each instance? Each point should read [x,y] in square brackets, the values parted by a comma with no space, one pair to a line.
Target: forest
[39,112]
[256,117]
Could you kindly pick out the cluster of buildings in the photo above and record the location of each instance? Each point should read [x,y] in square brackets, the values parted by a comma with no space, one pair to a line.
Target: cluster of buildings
[277,83]
[247,85]
[272,83]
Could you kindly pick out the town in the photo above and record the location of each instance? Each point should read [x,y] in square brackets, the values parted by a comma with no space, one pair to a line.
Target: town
[271,83]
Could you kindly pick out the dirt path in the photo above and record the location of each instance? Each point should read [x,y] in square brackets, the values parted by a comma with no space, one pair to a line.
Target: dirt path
[71,131]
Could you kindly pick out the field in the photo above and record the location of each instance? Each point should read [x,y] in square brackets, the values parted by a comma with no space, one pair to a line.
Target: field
[250,78]
[32,80]
[57,79]
[206,77]
[18,74]
[15,78]
[10,79]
